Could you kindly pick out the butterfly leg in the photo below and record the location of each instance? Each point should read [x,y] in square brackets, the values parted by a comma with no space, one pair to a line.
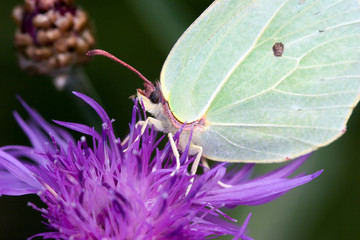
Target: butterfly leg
[149,121]
[195,150]
[175,152]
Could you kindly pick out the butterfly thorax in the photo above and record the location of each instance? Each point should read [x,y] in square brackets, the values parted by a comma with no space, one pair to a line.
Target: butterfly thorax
[169,124]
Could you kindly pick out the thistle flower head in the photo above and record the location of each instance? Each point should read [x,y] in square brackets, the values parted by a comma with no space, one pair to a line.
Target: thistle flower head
[100,187]
[52,36]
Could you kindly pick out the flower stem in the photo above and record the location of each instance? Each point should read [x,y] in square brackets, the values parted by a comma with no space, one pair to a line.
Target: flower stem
[76,80]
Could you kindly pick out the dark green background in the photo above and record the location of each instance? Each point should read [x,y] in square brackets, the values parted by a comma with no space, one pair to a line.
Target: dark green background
[142,32]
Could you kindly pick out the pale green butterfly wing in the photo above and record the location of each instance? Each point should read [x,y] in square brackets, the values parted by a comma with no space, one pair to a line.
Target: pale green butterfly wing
[260,107]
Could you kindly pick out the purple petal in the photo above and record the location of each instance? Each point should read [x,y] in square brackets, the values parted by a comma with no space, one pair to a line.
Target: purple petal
[100,111]
[243,228]
[34,140]
[255,192]
[38,119]
[12,186]
[79,128]
[288,169]
[24,152]
[18,169]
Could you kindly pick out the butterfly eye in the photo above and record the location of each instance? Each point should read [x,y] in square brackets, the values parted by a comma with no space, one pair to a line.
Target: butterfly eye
[154,96]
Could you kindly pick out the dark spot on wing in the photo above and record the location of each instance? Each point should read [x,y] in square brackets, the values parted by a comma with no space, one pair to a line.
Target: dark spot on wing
[278,49]
[321,31]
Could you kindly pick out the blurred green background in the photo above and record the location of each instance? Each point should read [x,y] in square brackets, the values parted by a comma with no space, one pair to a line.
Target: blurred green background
[142,32]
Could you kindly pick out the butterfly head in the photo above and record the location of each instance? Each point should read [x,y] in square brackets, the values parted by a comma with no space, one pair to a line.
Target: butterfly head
[151,97]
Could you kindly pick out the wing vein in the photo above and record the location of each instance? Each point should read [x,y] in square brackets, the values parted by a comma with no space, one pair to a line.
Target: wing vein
[284,137]
[313,95]
[243,147]
[213,51]
[328,65]
[285,76]
[271,125]
[314,109]
[211,99]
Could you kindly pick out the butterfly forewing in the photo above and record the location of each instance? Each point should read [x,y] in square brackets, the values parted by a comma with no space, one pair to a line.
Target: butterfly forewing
[261,105]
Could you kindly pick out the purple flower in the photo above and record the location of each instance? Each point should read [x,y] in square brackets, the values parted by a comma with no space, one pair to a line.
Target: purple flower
[101,188]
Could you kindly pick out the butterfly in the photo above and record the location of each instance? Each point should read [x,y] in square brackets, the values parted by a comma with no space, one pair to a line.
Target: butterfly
[259,81]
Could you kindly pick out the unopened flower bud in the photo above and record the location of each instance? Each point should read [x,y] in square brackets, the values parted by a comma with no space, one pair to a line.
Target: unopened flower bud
[52,36]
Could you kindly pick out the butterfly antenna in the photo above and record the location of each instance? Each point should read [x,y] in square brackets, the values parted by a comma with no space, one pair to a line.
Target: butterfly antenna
[112,57]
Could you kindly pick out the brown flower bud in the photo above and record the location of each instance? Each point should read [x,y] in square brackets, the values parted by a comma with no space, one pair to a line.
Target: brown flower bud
[52,36]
